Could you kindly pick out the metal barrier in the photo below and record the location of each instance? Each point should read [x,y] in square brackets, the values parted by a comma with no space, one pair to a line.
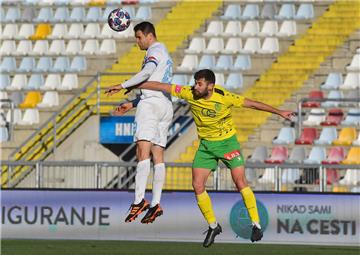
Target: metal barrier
[264,177]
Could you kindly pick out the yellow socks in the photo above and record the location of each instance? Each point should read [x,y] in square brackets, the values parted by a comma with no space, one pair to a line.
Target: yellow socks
[205,206]
[250,203]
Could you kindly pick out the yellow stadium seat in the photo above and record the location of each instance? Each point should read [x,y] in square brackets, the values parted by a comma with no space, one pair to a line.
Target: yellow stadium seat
[42,31]
[346,137]
[353,157]
[31,100]
[340,189]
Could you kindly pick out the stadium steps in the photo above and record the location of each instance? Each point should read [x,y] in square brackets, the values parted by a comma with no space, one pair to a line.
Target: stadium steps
[185,16]
[285,76]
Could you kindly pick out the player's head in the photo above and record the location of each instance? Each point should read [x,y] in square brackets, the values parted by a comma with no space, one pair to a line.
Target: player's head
[204,83]
[145,34]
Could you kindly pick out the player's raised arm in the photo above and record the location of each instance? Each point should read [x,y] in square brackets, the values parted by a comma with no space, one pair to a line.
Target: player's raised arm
[154,85]
[248,103]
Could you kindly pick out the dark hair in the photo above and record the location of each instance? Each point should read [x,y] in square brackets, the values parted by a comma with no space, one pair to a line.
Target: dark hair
[145,27]
[207,74]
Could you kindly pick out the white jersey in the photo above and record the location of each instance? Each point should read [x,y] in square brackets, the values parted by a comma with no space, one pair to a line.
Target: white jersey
[158,54]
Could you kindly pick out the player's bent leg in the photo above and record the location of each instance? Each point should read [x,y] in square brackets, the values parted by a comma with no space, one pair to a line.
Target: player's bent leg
[238,175]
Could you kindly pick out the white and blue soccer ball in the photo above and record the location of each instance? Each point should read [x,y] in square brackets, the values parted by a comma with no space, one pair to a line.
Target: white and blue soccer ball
[119,20]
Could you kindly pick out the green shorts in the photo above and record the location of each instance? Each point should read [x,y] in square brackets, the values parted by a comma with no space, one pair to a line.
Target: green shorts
[210,152]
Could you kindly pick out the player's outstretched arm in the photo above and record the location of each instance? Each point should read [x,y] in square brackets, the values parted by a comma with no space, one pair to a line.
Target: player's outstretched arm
[154,85]
[248,103]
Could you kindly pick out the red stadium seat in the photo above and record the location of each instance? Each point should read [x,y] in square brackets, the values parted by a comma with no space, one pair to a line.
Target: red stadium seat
[278,155]
[334,118]
[335,156]
[307,136]
[315,94]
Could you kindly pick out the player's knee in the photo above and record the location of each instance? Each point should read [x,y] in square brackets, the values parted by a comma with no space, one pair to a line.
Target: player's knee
[142,154]
[198,186]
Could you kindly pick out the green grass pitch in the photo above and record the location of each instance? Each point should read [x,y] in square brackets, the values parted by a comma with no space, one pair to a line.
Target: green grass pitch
[63,247]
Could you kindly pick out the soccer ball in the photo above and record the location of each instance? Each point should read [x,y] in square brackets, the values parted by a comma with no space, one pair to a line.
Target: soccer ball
[119,20]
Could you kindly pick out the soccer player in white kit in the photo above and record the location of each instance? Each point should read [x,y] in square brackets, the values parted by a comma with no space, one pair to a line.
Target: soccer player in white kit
[153,117]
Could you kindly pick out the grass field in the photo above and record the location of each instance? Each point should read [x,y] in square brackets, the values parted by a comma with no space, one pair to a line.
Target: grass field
[44,247]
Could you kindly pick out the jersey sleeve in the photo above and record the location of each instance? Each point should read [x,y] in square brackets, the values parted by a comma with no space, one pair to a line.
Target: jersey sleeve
[153,56]
[233,99]
[183,92]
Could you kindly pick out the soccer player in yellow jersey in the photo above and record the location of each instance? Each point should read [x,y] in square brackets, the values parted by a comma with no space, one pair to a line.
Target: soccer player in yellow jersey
[211,108]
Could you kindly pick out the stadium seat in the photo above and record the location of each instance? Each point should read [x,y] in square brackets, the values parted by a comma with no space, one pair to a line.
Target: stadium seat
[327,136]
[69,82]
[269,46]
[197,45]
[290,175]
[234,81]
[305,11]
[251,11]
[268,177]
[297,155]
[352,81]
[233,28]
[41,47]
[215,28]
[8,64]
[179,79]
[316,156]
[220,79]
[353,157]
[307,136]
[61,14]
[92,31]
[351,177]
[31,100]
[278,155]
[242,63]
[334,117]
[10,31]
[251,28]
[189,63]
[74,47]
[207,62]
[314,94]
[232,12]
[4,81]
[78,64]
[27,64]
[259,155]
[214,46]
[287,28]
[333,81]
[28,14]
[52,82]
[316,116]
[77,14]
[130,10]
[335,156]
[93,14]
[57,47]
[12,15]
[24,48]
[269,28]
[355,64]
[346,136]
[35,81]
[16,118]
[75,31]
[251,46]
[44,64]
[106,13]
[62,64]
[41,33]
[223,63]
[268,11]
[108,46]
[91,47]
[233,46]
[50,99]
[352,118]
[8,47]
[18,82]
[3,96]
[333,94]
[287,11]
[30,117]
[143,13]
[45,15]
[107,32]
[286,136]
[17,97]
[25,31]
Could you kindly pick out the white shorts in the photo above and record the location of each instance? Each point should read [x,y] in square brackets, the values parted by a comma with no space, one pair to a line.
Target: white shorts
[153,118]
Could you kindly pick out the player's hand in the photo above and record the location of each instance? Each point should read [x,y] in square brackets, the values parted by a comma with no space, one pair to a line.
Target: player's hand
[289,115]
[122,109]
[112,90]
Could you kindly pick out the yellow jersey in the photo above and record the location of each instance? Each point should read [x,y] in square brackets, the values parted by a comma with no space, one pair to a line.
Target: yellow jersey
[212,116]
